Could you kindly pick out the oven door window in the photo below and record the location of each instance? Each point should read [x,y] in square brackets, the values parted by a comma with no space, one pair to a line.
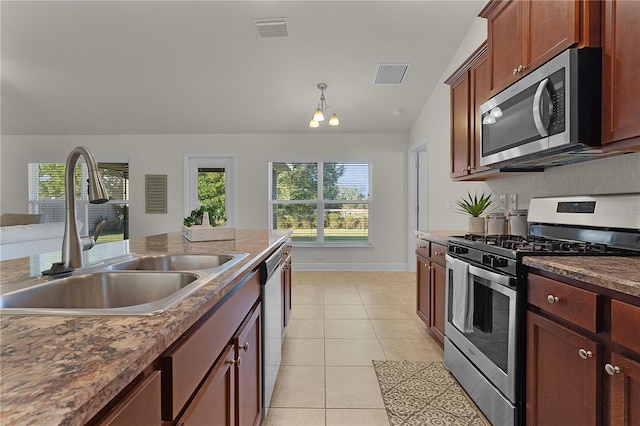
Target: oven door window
[490,321]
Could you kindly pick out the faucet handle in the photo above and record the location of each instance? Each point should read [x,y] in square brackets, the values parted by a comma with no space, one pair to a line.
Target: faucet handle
[99,228]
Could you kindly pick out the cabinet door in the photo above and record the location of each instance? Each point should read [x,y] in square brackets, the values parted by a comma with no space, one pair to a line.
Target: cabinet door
[550,28]
[423,289]
[555,370]
[480,88]
[620,70]
[438,289]
[505,43]
[214,403]
[249,370]
[141,406]
[624,398]
[460,126]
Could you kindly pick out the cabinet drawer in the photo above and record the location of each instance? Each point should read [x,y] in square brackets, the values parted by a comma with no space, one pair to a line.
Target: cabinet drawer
[185,366]
[422,248]
[625,325]
[565,301]
[141,406]
[438,251]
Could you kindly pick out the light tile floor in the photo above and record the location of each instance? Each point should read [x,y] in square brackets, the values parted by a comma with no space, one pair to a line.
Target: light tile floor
[340,321]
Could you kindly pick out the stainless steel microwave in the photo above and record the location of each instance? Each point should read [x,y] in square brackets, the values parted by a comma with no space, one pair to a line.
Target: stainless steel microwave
[549,117]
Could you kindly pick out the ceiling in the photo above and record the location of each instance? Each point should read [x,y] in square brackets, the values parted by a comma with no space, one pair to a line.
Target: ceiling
[182,67]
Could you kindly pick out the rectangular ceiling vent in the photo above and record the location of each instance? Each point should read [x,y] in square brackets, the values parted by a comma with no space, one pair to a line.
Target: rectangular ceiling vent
[391,73]
[266,28]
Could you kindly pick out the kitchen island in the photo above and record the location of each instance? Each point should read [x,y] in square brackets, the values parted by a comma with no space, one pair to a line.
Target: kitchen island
[64,369]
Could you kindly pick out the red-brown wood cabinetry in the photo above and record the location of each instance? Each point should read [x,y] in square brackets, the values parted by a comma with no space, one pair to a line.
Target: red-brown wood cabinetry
[430,286]
[621,73]
[583,354]
[524,34]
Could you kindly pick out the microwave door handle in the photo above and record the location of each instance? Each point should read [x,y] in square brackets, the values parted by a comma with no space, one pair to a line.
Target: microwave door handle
[538,110]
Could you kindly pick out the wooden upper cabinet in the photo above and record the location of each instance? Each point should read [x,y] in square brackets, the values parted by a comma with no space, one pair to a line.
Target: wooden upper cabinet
[524,34]
[460,127]
[504,34]
[620,71]
[480,74]
[469,89]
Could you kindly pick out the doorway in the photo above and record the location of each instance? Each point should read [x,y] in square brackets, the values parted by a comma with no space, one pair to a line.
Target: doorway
[417,208]
[210,179]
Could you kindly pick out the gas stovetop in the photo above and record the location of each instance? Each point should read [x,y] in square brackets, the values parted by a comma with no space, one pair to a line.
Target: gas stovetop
[533,244]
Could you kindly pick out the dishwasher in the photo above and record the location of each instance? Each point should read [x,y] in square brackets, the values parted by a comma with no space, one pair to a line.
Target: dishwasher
[271,291]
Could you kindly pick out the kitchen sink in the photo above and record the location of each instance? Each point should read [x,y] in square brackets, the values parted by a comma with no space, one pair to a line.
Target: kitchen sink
[137,285]
[174,262]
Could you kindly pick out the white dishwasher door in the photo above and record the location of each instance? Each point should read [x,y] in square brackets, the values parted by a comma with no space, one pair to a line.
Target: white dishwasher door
[272,334]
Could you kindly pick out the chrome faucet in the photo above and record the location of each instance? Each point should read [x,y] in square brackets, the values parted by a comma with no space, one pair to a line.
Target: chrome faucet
[72,244]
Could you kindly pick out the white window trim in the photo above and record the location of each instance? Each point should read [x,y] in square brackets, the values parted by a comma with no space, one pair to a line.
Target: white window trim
[321,244]
[192,162]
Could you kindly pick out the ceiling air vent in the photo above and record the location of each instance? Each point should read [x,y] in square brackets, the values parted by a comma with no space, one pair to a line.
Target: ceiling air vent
[266,28]
[390,73]
[155,194]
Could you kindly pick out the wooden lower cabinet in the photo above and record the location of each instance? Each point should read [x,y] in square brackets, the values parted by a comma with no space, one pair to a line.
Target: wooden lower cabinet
[562,387]
[140,406]
[423,290]
[624,394]
[215,402]
[583,354]
[438,289]
[247,343]
[431,286]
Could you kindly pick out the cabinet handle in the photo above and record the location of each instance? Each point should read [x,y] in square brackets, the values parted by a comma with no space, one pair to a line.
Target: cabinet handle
[553,299]
[437,253]
[245,346]
[422,246]
[521,68]
[515,71]
[612,369]
[429,267]
[584,354]
[236,361]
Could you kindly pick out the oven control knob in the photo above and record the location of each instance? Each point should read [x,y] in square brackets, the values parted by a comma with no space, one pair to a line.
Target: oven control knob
[494,262]
[459,250]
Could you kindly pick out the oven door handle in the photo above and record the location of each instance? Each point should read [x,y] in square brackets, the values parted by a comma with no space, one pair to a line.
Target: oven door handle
[490,276]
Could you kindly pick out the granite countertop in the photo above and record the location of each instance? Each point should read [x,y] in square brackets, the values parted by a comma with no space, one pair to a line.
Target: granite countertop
[621,274]
[438,236]
[61,370]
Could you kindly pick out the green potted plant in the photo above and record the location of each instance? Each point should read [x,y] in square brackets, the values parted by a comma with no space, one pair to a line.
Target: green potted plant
[216,215]
[195,227]
[474,207]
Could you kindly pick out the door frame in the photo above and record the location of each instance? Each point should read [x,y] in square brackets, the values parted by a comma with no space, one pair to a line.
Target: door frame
[192,162]
[413,158]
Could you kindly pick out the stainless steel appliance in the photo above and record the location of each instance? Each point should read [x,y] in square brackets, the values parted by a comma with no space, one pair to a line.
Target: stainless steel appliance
[485,344]
[271,326]
[549,117]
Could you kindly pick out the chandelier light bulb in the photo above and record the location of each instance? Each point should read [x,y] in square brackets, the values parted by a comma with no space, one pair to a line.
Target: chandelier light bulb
[333,120]
[313,123]
[318,115]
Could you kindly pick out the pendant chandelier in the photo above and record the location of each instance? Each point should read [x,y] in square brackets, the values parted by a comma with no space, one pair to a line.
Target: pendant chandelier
[319,114]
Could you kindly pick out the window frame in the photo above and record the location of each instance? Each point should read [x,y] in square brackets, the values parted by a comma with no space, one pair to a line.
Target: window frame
[320,202]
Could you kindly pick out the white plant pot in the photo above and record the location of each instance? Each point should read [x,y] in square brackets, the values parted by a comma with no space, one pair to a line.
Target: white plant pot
[475,225]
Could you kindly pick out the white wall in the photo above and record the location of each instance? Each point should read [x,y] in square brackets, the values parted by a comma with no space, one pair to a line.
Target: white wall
[164,154]
[610,175]
[433,126]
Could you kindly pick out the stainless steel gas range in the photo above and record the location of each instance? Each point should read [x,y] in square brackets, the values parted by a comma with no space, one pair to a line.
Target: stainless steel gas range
[486,290]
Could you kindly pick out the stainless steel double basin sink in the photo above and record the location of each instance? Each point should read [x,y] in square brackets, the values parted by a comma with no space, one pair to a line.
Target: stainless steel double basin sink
[134,285]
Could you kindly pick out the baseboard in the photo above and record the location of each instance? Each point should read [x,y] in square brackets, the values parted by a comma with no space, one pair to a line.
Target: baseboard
[390,267]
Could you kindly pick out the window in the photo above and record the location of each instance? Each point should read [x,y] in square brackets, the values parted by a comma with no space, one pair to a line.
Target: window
[324,203]
[47,196]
